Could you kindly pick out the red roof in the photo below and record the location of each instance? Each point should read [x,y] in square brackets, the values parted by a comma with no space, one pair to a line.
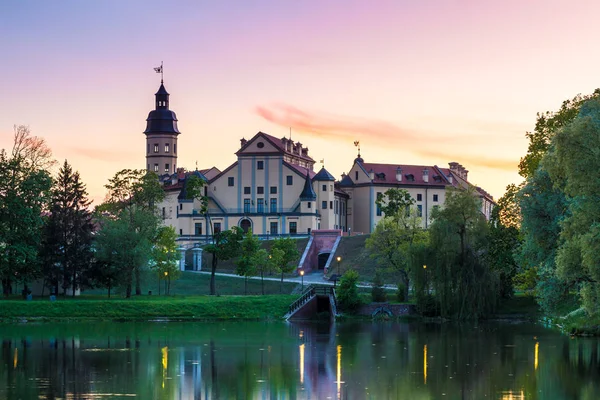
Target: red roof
[385,174]
[302,170]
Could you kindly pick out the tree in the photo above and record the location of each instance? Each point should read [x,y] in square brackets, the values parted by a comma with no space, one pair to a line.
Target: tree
[24,194]
[164,256]
[246,263]
[395,203]
[378,293]
[464,286]
[132,196]
[283,252]
[396,242]
[347,293]
[68,234]
[226,245]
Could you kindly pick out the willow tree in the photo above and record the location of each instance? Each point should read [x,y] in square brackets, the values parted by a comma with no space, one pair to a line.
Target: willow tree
[464,285]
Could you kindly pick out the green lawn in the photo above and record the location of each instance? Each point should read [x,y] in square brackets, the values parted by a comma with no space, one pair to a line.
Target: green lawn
[192,284]
[149,307]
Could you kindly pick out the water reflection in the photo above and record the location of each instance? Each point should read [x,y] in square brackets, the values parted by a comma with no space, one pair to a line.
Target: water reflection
[296,361]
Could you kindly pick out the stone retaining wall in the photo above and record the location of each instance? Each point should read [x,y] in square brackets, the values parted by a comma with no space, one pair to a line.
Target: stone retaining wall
[395,309]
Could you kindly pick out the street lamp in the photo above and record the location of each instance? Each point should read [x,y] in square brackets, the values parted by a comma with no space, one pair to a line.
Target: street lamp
[166,274]
[302,276]
[339,260]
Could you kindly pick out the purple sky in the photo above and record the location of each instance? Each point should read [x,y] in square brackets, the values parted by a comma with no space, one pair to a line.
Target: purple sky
[424,82]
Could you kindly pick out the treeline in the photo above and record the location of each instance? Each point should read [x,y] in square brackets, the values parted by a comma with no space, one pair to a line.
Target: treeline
[461,267]
[49,233]
[543,238]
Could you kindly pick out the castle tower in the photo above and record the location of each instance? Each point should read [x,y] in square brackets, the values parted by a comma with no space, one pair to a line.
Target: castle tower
[161,136]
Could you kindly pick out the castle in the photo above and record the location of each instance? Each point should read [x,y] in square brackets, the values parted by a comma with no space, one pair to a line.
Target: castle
[273,189]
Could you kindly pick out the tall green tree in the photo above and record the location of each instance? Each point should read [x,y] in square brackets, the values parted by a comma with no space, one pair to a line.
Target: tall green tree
[283,254]
[225,246]
[24,194]
[132,198]
[463,285]
[397,242]
[165,259]
[395,203]
[68,234]
[246,262]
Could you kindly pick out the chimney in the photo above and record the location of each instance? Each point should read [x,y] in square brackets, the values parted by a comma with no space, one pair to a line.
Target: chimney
[371,174]
[426,175]
[465,173]
[399,174]
[243,142]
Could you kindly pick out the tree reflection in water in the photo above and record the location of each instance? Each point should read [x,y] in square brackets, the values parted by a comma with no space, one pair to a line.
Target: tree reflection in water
[297,361]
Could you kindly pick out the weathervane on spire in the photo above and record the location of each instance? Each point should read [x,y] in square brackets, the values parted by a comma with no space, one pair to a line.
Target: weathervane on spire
[357,144]
[322,162]
[159,70]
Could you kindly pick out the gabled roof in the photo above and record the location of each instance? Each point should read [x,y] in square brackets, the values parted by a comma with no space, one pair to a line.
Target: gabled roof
[385,174]
[308,193]
[346,181]
[323,175]
[276,142]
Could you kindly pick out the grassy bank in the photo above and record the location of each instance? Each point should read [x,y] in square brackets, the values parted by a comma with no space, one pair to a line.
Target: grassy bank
[149,308]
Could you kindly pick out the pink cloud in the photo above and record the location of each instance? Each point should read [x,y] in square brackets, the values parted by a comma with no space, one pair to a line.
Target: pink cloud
[380,132]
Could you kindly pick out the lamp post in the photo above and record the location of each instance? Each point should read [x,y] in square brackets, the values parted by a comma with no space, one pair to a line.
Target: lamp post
[302,276]
[339,260]
[166,275]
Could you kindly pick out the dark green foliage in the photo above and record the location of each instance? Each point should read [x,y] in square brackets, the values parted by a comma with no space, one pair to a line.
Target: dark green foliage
[401,293]
[68,235]
[24,194]
[378,293]
[347,292]
[225,246]
[283,253]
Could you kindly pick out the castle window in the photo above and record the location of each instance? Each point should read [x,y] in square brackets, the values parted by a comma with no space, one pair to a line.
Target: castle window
[230,181]
[324,205]
[274,228]
[198,228]
[289,180]
[166,147]
[148,150]
[379,197]
[273,189]
[180,206]
[356,175]
[260,206]
[309,205]
[166,167]
[175,148]
[273,205]
[260,165]
[324,188]
[217,228]
[293,228]
[246,205]
[246,189]
[419,197]
[155,167]
[420,210]
[260,190]
[260,145]
[156,147]
[331,205]
[435,197]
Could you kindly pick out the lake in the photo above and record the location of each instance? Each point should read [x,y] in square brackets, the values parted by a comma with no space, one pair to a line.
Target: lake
[259,360]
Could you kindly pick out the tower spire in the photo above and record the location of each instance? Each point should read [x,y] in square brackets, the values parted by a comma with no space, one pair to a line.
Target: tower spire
[160,70]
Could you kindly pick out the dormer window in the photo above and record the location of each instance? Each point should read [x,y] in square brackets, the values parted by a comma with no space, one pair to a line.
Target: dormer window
[410,177]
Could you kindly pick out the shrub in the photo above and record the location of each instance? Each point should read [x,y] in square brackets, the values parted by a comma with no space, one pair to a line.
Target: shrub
[378,294]
[427,305]
[400,293]
[347,293]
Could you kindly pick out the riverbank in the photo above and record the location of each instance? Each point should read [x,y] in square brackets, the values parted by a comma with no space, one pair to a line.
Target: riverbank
[145,308]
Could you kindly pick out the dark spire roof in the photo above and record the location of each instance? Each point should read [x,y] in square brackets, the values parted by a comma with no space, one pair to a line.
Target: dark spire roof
[161,120]
[308,193]
[323,175]
[161,90]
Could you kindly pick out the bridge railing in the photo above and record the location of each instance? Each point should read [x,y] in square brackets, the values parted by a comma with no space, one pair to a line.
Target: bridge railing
[307,295]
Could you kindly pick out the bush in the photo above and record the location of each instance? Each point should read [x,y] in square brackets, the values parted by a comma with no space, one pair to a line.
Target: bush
[347,293]
[378,294]
[400,293]
[427,305]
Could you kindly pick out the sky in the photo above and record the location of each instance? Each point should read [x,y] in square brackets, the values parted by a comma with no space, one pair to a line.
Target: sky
[416,82]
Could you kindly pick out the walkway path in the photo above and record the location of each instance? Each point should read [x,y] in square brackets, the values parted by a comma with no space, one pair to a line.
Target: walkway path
[315,278]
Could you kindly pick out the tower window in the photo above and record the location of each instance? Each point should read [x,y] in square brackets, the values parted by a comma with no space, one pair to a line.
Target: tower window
[148,150]
[289,180]
[324,205]
[175,148]
[324,188]
[155,167]
[156,147]
[230,181]
[166,167]
[166,147]
[356,175]
[309,205]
